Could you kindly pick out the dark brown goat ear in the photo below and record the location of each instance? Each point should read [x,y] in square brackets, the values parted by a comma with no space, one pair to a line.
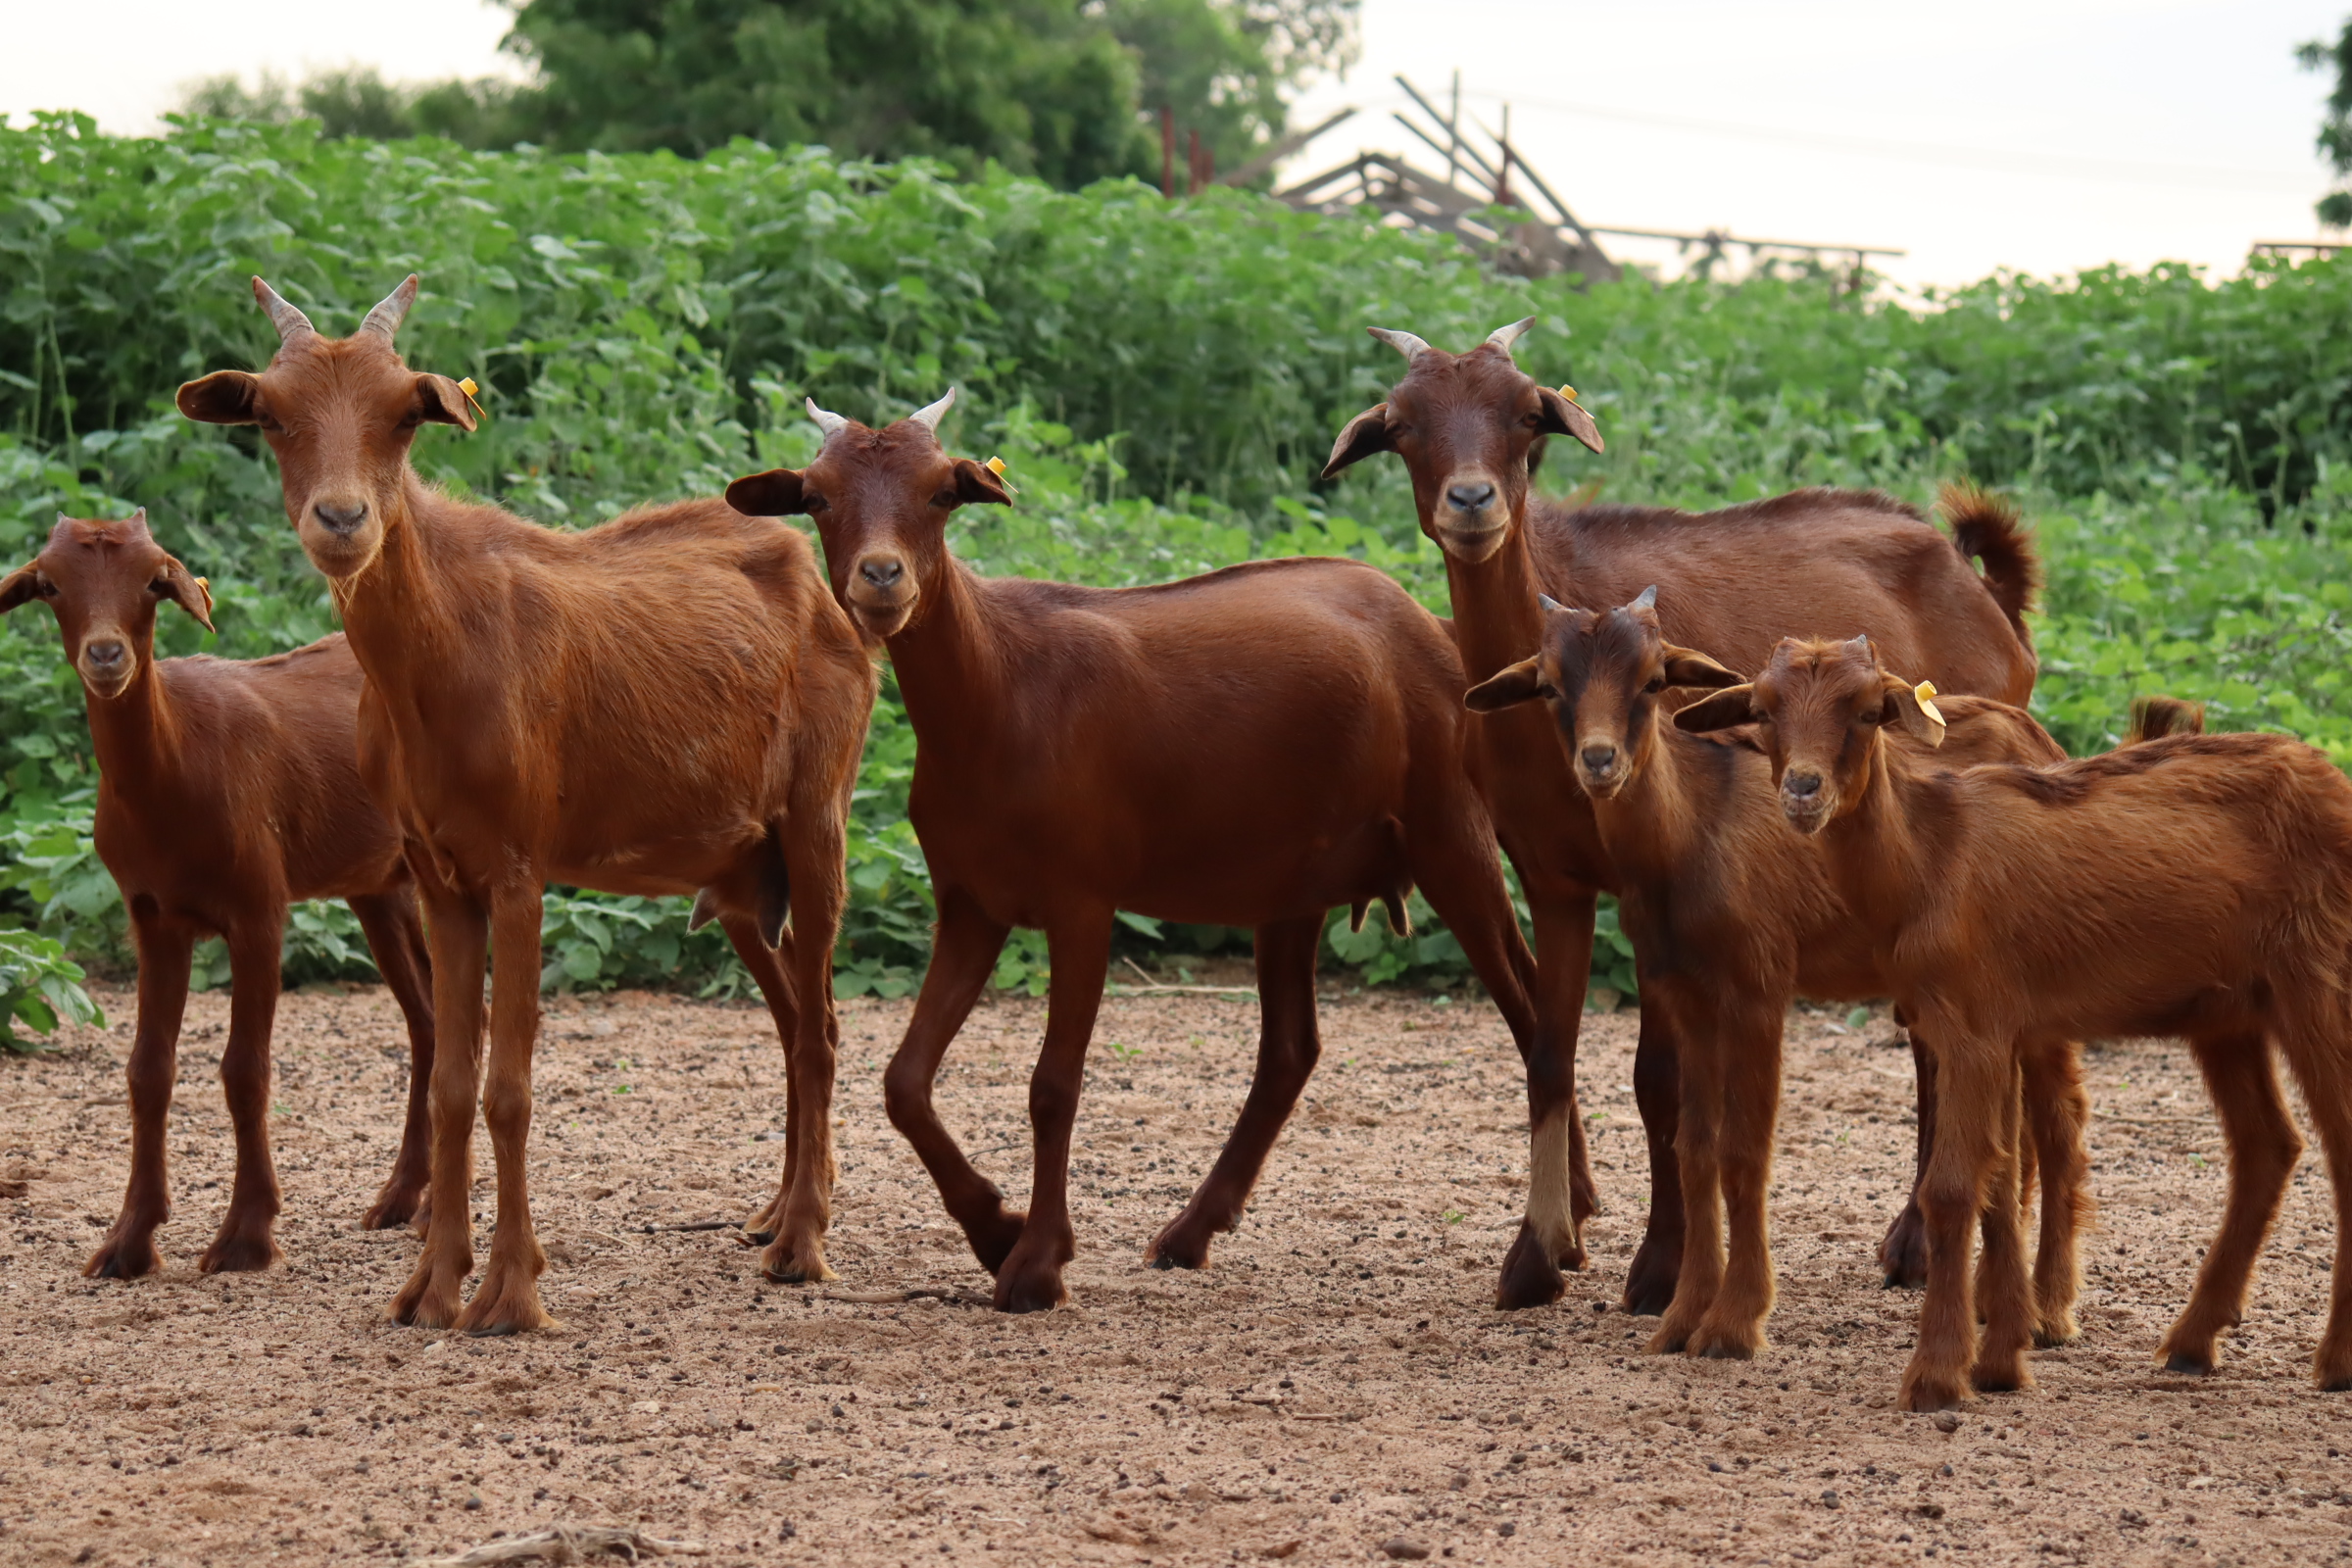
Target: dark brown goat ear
[1366,435]
[441,401]
[225,397]
[1686,667]
[1517,683]
[1564,417]
[977,485]
[1728,709]
[187,590]
[21,586]
[774,493]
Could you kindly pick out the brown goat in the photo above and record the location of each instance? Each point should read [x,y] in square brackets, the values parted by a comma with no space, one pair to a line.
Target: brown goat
[1470,429]
[1731,918]
[226,791]
[2194,885]
[1248,747]
[667,703]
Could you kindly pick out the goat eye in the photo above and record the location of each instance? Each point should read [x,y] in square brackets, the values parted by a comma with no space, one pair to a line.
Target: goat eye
[815,504]
[159,587]
[1657,684]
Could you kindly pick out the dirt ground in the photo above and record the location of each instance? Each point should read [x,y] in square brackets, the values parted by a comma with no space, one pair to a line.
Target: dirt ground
[1335,1388]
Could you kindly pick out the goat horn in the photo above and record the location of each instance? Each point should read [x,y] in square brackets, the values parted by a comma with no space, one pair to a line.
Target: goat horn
[1648,599]
[930,413]
[1502,337]
[1550,603]
[1403,343]
[1861,645]
[826,422]
[290,322]
[392,309]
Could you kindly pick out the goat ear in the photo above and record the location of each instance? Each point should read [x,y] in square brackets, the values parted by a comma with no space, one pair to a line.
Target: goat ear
[441,401]
[1728,709]
[1366,435]
[21,586]
[975,485]
[225,397]
[1563,417]
[1685,668]
[1518,683]
[1903,707]
[773,494]
[189,591]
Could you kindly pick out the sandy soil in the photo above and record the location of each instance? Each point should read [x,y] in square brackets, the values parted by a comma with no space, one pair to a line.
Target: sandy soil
[1336,1382]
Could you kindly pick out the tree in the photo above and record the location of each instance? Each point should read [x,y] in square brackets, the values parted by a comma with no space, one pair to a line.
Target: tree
[1068,90]
[2335,131]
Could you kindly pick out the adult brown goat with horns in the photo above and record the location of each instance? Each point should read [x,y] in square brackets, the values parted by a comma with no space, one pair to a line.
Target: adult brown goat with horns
[1471,428]
[1248,747]
[665,703]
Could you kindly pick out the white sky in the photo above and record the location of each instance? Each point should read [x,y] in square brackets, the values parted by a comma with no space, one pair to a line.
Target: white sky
[2039,134]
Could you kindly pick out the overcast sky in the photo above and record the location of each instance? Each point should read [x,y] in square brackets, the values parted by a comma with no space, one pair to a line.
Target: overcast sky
[2043,135]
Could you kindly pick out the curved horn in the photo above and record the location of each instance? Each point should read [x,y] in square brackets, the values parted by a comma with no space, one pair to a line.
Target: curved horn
[1403,343]
[1550,603]
[826,422]
[290,322]
[1648,599]
[1861,645]
[392,309]
[930,413]
[1502,337]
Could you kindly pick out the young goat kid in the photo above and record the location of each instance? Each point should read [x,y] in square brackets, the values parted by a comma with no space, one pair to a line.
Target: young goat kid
[1248,748]
[226,791]
[1731,918]
[667,703]
[2194,885]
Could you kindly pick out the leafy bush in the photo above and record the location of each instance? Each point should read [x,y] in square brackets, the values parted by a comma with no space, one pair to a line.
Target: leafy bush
[1165,379]
[39,987]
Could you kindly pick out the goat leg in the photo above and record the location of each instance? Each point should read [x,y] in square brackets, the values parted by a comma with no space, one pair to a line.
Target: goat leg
[246,1240]
[128,1251]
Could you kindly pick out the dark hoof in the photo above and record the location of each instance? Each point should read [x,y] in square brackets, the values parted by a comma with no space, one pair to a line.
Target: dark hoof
[123,1261]
[496,1331]
[1649,1283]
[757,1237]
[2189,1365]
[240,1255]
[1728,1352]
[1529,1278]
[1179,1247]
[1030,1295]
[1903,1255]
[392,1210]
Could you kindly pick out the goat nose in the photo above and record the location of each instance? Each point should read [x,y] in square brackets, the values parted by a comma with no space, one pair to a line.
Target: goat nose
[1803,785]
[106,655]
[341,516]
[1599,759]
[1470,497]
[881,574]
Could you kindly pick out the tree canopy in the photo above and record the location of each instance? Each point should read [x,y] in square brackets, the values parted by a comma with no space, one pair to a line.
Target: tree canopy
[1069,92]
[2335,128]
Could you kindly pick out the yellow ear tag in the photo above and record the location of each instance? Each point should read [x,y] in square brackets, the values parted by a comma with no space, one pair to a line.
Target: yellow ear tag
[1925,692]
[1569,393]
[996,466]
[469,387]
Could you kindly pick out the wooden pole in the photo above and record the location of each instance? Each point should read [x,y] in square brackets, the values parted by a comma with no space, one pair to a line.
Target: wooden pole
[1167,152]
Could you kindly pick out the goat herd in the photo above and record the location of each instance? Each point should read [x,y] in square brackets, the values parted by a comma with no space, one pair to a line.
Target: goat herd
[675,701]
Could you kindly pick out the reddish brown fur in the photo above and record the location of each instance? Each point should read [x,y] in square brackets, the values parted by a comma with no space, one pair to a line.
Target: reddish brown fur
[667,703]
[1469,429]
[226,791]
[2195,885]
[1248,747]
[1732,917]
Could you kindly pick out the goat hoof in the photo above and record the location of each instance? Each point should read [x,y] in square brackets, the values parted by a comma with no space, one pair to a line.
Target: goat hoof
[1649,1283]
[2000,1376]
[1922,1392]
[1529,1276]
[1903,1255]
[2182,1361]
[752,1238]
[391,1211]
[124,1259]
[2050,1336]
[1180,1246]
[240,1255]
[1041,1293]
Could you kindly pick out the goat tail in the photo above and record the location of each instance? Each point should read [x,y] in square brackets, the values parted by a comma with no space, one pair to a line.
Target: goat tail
[1988,528]
[2155,717]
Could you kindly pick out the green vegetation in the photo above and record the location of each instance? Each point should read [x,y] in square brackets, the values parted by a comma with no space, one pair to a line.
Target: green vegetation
[1070,94]
[2334,58]
[1165,379]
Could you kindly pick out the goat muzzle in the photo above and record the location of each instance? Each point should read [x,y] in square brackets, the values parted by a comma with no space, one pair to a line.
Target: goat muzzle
[881,595]
[1600,768]
[106,666]
[1806,801]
